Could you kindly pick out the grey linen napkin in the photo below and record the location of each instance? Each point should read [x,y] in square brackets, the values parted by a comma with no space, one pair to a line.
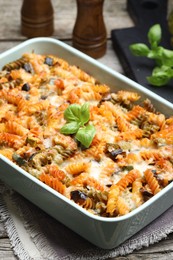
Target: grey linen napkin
[36,235]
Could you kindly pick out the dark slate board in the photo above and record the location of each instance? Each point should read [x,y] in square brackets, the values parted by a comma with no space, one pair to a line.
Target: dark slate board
[144,13]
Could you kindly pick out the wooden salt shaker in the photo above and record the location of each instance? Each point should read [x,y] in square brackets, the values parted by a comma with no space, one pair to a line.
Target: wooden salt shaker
[37,18]
[89,33]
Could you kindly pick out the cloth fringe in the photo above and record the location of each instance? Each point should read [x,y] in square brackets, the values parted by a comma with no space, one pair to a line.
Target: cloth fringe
[141,241]
[11,231]
[34,230]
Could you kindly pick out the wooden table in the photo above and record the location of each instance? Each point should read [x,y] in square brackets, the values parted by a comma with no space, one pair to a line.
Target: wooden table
[115,16]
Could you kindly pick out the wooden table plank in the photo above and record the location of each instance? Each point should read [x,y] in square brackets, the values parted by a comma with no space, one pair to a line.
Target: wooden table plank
[115,16]
[6,252]
[64,17]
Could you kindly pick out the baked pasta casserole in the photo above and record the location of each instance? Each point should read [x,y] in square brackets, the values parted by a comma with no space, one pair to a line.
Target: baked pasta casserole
[107,152]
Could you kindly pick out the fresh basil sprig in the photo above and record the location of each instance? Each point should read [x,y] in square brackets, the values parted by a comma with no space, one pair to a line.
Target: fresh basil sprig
[77,117]
[163,72]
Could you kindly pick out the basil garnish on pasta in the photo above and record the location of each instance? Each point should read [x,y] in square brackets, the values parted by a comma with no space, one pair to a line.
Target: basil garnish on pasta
[77,118]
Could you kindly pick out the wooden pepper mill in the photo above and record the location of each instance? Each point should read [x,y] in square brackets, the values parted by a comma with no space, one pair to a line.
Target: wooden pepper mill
[89,33]
[37,18]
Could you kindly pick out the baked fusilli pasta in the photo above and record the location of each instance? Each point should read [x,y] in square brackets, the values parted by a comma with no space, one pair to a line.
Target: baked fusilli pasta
[130,157]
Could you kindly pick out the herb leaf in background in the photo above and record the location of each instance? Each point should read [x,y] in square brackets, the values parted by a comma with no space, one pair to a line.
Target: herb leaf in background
[77,117]
[154,36]
[163,72]
[139,49]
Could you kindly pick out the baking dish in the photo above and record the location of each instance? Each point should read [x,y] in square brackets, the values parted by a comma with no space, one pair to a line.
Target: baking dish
[103,232]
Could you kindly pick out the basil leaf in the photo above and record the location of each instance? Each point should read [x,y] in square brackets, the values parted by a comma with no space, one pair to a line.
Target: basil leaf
[84,113]
[167,57]
[156,54]
[77,116]
[85,135]
[139,49]
[70,128]
[163,71]
[158,81]
[160,76]
[154,35]
[72,113]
